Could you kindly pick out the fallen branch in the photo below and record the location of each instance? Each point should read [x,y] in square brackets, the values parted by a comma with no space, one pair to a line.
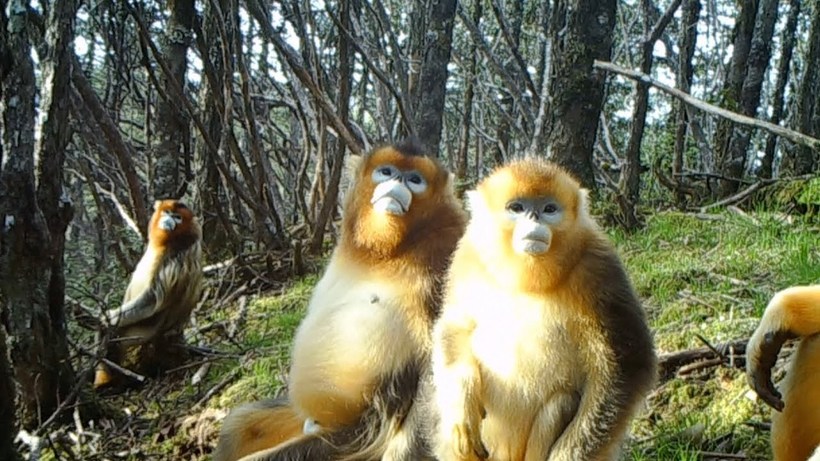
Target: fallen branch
[791,135]
[669,364]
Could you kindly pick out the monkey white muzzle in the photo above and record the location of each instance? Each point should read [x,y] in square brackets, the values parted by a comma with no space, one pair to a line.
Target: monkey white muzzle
[167,222]
[531,237]
[392,197]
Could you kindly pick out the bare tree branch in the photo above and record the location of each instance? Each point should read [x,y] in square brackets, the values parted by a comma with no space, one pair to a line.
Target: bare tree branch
[791,135]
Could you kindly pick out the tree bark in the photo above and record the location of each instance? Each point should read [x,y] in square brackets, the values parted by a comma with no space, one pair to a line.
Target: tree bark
[430,93]
[42,370]
[55,134]
[172,126]
[800,160]
[581,33]
[734,164]
[732,86]
[783,72]
[8,392]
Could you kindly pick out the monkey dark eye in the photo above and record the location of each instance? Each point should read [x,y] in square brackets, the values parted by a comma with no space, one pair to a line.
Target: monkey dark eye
[385,171]
[415,179]
[515,207]
[550,208]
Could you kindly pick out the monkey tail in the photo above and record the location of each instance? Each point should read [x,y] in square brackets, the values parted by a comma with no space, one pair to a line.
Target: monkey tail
[385,420]
[256,426]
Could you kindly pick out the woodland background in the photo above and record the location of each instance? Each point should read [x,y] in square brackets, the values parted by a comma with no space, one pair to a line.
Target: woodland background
[246,110]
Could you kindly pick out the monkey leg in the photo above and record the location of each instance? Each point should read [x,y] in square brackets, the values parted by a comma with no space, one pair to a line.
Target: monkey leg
[257,426]
[549,424]
[796,430]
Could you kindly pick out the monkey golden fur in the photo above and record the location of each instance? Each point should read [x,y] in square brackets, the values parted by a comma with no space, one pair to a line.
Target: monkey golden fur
[358,352]
[791,313]
[542,351]
[164,288]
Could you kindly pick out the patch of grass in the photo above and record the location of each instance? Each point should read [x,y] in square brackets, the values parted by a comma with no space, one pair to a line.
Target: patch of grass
[714,277]
[267,335]
[710,278]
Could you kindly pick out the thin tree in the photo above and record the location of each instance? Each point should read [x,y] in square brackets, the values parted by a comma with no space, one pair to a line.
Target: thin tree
[630,184]
[732,86]
[788,37]
[799,160]
[687,41]
[734,162]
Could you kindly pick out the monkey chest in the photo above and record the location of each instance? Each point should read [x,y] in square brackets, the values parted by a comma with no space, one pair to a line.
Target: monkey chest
[361,327]
[525,349]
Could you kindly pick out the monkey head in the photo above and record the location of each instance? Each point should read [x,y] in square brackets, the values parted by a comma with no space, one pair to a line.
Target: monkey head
[395,190]
[530,216]
[172,225]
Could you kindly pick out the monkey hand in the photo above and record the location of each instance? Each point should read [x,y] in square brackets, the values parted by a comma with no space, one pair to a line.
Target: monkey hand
[762,353]
[465,437]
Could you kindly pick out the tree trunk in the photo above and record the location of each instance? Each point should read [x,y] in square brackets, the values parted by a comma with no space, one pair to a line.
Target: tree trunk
[783,68]
[732,86]
[8,425]
[734,164]
[630,184]
[469,94]
[799,160]
[41,365]
[8,393]
[431,89]
[687,41]
[55,107]
[172,127]
[581,32]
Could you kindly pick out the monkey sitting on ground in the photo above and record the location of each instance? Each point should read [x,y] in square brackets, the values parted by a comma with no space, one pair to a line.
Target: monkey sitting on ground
[164,289]
[365,339]
[791,313]
[542,350]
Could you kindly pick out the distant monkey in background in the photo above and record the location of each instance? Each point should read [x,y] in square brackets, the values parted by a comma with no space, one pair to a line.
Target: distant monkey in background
[542,350]
[791,313]
[164,288]
[365,340]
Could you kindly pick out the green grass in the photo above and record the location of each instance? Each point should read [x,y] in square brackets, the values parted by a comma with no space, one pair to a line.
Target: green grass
[697,277]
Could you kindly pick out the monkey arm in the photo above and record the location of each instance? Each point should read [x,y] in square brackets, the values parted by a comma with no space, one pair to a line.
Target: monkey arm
[591,434]
[793,312]
[140,308]
[457,382]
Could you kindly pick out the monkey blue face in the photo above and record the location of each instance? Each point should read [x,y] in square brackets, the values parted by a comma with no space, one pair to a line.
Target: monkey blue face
[532,218]
[168,220]
[395,188]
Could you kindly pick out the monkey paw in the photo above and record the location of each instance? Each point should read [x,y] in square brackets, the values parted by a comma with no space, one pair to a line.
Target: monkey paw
[466,443]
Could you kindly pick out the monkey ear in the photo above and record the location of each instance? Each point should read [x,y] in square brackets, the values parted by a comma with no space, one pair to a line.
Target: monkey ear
[583,201]
[475,201]
[451,183]
[352,163]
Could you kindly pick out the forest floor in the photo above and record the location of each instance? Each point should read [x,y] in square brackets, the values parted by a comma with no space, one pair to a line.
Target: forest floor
[704,280]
